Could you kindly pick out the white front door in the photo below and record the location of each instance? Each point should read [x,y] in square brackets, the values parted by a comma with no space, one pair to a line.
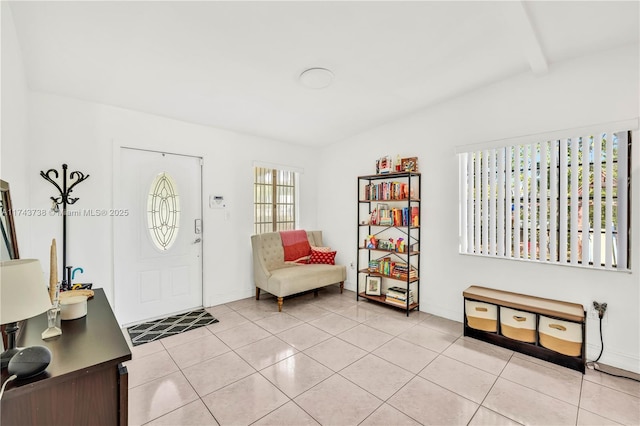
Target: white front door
[158,239]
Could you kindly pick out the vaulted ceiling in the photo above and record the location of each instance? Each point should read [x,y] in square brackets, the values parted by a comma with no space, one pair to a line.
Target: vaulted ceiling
[236,65]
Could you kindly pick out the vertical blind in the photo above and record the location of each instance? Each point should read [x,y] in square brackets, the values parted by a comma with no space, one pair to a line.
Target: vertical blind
[563,201]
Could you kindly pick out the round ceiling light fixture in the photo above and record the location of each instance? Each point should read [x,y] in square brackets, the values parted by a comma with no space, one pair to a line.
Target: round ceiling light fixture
[316,78]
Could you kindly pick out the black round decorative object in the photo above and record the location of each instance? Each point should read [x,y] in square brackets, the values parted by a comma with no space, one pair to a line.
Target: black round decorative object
[29,362]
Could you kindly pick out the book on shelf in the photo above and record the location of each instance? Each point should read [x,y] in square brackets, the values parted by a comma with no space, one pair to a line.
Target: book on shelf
[405,276]
[382,266]
[387,267]
[399,294]
[386,220]
[389,191]
[400,216]
[415,216]
[404,271]
[386,191]
[399,303]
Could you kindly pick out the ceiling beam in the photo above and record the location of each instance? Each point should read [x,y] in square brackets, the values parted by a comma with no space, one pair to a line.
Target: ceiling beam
[522,26]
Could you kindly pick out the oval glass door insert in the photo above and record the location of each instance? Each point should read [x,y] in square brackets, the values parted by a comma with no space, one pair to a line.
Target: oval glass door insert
[163,211]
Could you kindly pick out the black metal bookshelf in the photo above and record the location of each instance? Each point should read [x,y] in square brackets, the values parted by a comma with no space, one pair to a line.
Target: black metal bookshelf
[398,191]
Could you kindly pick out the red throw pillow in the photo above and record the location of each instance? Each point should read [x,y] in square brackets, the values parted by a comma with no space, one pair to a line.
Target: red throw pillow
[295,244]
[327,258]
[322,249]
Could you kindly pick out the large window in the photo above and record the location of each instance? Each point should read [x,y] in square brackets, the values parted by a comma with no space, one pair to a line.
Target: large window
[564,201]
[274,200]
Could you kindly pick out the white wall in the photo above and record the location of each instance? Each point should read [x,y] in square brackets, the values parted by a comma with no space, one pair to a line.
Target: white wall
[42,131]
[86,135]
[577,93]
[13,140]
[581,92]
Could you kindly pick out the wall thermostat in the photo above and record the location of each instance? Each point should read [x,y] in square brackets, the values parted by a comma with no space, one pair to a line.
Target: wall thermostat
[216,202]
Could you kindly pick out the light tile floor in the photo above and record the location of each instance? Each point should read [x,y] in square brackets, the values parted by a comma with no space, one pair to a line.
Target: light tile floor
[333,361]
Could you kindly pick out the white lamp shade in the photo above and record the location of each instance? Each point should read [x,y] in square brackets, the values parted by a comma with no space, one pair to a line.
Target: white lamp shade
[23,292]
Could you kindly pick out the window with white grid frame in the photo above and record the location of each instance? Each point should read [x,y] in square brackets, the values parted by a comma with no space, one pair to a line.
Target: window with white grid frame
[275,203]
[563,201]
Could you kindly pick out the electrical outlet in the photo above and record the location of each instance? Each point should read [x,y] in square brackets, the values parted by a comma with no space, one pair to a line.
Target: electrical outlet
[596,309]
[600,307]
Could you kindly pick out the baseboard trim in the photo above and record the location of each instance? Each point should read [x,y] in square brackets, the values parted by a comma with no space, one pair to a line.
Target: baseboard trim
[614,359]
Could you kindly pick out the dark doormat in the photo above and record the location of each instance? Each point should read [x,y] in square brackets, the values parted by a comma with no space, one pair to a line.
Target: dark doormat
[170,326]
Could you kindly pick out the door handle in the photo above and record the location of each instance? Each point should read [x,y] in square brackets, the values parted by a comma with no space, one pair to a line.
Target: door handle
[198,240]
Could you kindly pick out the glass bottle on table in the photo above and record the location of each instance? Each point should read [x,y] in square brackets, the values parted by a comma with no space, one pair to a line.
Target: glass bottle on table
[54,326]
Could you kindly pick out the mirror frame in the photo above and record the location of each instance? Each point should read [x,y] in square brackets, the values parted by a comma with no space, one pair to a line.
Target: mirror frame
[7,211]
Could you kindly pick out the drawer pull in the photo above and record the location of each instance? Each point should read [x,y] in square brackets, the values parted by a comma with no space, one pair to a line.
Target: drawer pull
[558,327]
[519,319]
[481,309]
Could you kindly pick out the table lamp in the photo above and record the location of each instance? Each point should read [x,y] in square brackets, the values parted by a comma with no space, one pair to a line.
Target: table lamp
[23,294]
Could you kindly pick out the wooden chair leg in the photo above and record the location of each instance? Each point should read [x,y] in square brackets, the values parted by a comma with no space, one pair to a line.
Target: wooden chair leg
[341,286]
[257,293]
[280,304]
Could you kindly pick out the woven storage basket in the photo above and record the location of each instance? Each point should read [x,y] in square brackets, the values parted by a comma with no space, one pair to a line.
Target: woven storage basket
[481,316]
[518,325]
[561,336]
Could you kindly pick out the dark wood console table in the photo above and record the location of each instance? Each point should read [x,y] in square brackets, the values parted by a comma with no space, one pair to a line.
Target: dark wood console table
[85,384]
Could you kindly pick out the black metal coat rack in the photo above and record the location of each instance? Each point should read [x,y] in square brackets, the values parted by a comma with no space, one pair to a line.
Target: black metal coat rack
[73,179]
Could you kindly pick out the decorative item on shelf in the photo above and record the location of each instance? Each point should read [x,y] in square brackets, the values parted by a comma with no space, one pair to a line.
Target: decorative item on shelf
[372,243]
[415,217]
[53,271]
[76,285]
[73,307]
[65,199]
[384,165]
[372,287]
[373,220]
[24,295]
[410,164]
[82,286]
[73,273]
[386,245]
[398,164]
[73,303]
[54,328]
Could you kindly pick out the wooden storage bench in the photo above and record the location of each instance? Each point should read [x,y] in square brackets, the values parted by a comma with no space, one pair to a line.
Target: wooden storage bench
[548,329]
